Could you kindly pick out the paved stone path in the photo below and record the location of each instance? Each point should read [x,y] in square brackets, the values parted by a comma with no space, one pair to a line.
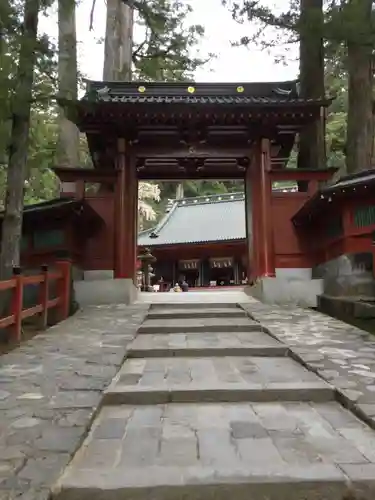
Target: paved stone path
[50,389]
[340,353]
[183,426]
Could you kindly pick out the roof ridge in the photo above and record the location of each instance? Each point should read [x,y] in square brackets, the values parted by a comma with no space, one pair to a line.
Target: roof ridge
[211,198]
[154,232]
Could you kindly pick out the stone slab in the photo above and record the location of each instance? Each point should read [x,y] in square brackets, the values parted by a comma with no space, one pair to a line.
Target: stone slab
[211,312]
[244,324]
[278,451]
[50,389]
[163,380]
[339,352]
[200,302]
[213,296]
[206,344]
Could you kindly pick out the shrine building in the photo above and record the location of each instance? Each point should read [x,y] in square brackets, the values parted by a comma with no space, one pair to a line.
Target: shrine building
[202,239]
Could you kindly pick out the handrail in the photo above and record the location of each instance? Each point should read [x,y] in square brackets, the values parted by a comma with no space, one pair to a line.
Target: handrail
[15,286]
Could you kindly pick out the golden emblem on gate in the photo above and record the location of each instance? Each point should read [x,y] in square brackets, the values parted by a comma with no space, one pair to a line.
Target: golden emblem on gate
[141,89]
[191,90]
[240,89]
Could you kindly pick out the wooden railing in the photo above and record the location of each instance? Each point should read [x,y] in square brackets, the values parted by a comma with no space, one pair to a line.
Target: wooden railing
[15,286]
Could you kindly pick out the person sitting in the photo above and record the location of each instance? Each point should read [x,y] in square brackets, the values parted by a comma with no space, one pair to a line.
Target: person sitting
[184,286]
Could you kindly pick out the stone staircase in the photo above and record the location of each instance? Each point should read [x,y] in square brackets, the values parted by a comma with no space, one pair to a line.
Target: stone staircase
[209,406]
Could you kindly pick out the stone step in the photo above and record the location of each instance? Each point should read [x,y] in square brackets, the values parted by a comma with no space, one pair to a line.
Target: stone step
[272,451]
[206,345]
[194,305]
[199,325]
[223,312]
[194,380]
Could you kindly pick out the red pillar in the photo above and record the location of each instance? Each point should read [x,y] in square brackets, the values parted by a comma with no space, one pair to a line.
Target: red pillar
[125,215]
[261,187]
[266,240]
[251,206]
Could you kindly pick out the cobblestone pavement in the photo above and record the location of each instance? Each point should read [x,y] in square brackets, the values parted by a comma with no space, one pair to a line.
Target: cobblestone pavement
[340,353]
[50,389]
[202,427]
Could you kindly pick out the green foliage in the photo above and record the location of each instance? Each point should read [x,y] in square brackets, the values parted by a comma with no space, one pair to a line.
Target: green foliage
[40,183]
[343,24]
[165,52]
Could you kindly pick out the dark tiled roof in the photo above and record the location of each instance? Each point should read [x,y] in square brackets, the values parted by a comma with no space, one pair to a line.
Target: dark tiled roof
[273,93]
[44,206]
[200,220]
[345,186]
[353,180]
[57,207]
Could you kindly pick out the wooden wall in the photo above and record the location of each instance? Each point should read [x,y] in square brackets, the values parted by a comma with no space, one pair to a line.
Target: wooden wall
[290,248]
[99,251]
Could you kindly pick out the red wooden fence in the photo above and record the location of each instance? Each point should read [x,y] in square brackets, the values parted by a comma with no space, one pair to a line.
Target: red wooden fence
[61,276]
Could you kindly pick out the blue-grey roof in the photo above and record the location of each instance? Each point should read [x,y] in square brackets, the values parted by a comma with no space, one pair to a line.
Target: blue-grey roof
[199,220]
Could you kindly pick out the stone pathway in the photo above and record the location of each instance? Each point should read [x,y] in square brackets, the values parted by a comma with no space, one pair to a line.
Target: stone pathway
[50,389]
[239,419]
[340,353]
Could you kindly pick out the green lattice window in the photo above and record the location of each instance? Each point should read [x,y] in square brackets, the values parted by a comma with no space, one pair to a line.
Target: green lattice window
[48,239]
[334,227]
[364,216]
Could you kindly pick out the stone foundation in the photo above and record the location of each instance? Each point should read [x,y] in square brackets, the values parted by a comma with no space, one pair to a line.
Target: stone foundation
[290,286]
[348,275]
[99,289]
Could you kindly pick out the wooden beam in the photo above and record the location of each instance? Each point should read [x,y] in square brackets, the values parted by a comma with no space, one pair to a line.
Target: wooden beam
[67,174]
[192,152]
[145,175]
[302,175]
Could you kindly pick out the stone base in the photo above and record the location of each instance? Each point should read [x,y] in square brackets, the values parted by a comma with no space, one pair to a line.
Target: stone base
[95,292]
[346,308]
[348,275]
[302,292]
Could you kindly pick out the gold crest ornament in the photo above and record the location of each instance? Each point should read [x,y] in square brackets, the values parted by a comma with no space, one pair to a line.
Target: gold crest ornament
[141,89]
[240,89]
[191,90]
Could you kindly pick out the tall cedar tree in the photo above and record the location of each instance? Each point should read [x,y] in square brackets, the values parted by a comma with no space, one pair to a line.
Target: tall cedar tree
[18,148]
[348,24]
[67,153]
[311,150]
[360,122]
[118,44]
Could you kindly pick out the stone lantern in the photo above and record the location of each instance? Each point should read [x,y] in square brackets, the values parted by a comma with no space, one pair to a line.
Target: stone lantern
[146,259]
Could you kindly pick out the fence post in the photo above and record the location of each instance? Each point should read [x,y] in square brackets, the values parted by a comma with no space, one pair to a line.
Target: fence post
[43,297]
[64,287]
[17,305]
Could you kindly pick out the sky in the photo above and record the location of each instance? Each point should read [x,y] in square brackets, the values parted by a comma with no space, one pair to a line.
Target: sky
[232,64]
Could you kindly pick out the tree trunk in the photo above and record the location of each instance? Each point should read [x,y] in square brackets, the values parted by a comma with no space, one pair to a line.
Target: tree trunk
[312,152]
[68,136]
[118,48]
[360,122]
[21,107]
